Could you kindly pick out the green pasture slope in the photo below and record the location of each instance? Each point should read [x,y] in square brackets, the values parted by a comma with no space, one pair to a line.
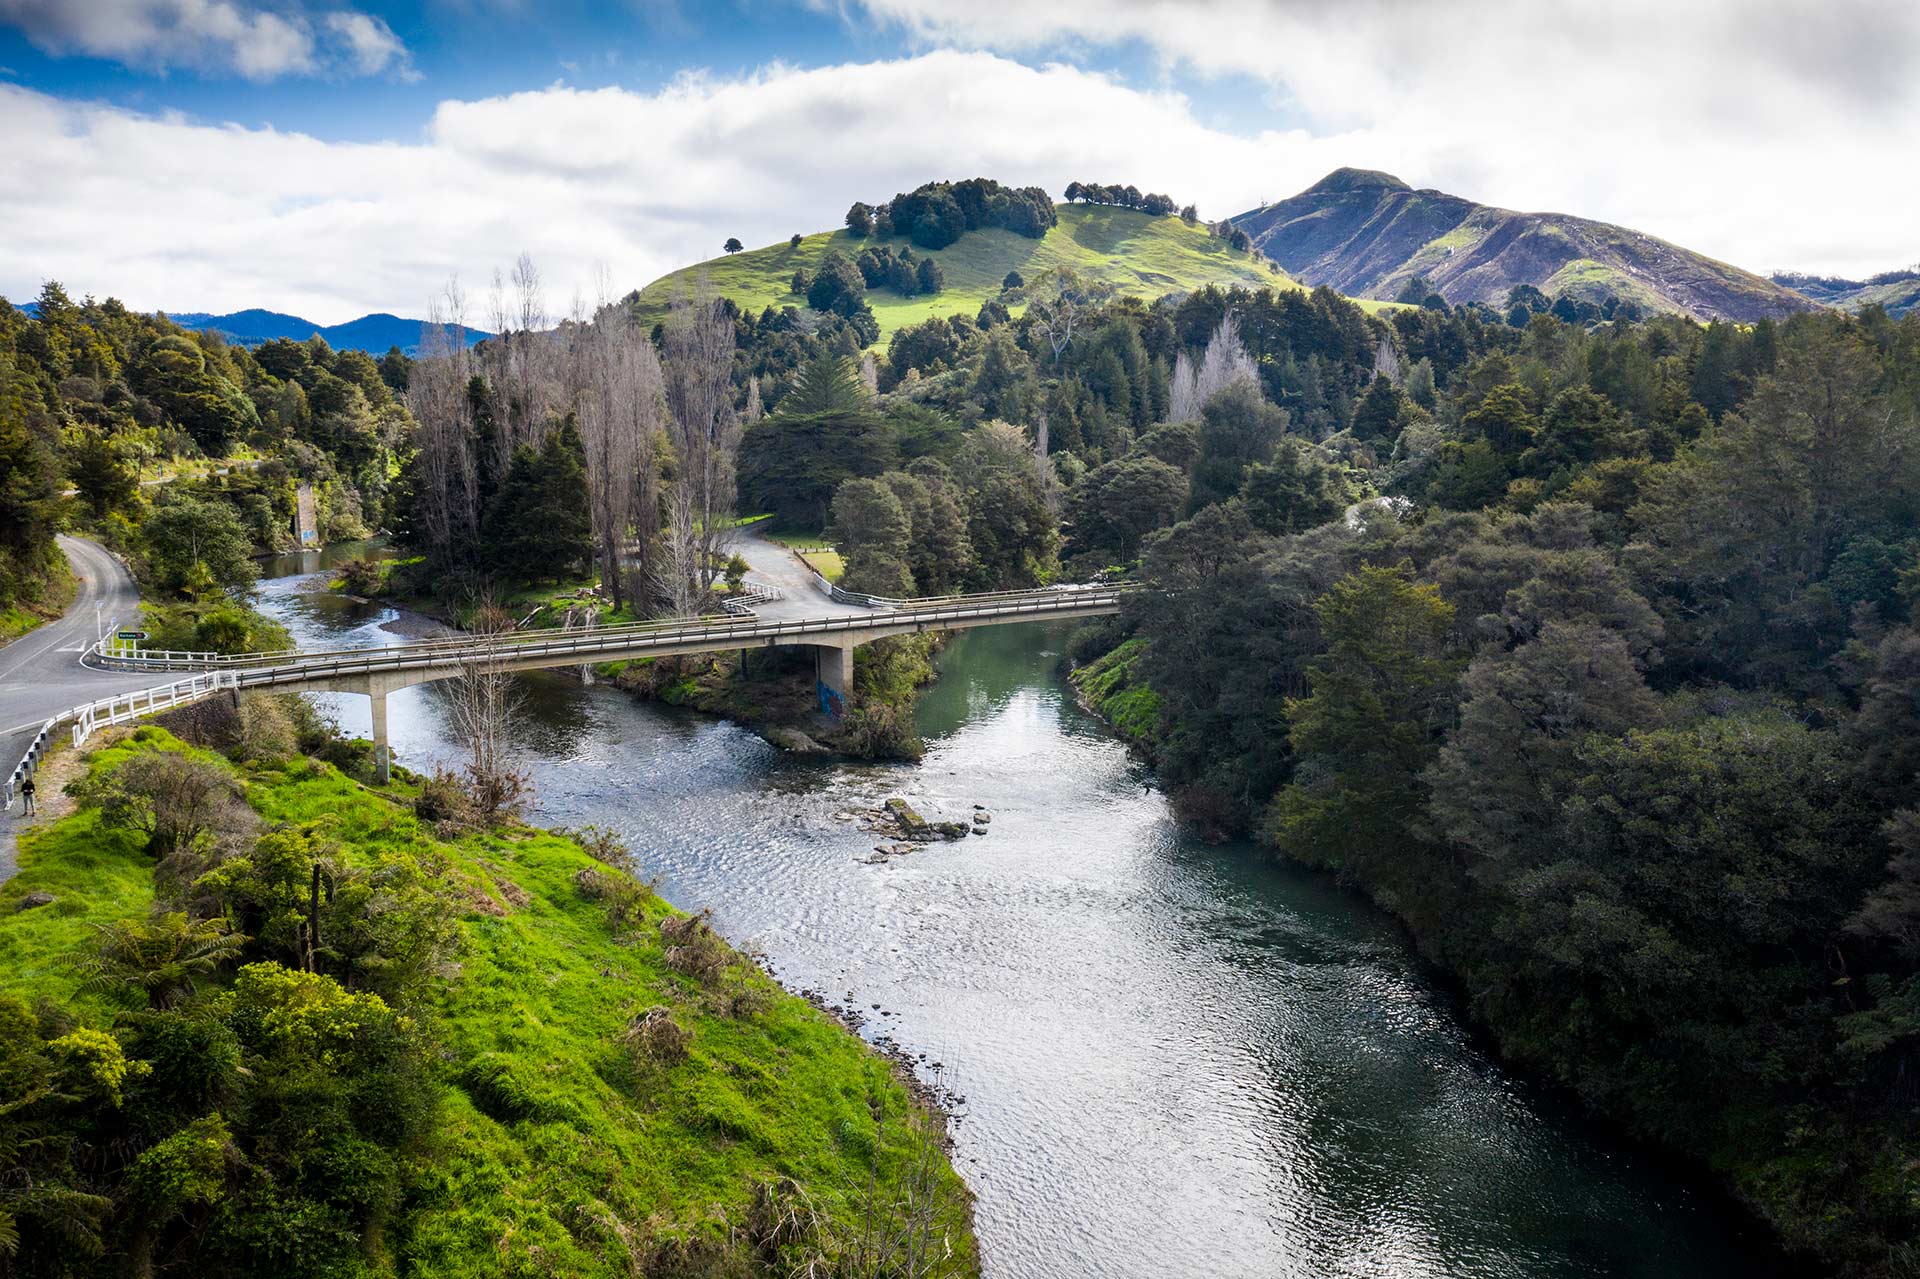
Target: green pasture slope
[598,1155]
[1137,254]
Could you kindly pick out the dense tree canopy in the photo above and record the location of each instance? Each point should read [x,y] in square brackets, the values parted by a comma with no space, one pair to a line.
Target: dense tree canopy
[1589,650]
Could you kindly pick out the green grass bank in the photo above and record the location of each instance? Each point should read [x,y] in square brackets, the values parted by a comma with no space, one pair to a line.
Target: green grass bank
[595,1083]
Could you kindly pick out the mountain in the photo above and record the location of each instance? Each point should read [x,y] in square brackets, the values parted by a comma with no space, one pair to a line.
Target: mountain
[1898,291]
[1367,233]
[1137,253]
[373,334]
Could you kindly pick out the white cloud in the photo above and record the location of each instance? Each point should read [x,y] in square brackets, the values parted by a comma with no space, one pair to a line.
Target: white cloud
[162,211]
[1769,132]
[370,43]
[210,36]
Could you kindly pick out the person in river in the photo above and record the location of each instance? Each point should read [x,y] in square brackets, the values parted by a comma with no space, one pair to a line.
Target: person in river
[26,797]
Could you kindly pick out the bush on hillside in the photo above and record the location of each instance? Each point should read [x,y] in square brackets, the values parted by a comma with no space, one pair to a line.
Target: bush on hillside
[654,1036]
[181,804]
[693,948]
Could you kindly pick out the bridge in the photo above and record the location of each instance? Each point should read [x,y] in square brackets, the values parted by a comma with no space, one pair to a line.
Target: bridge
[754,621]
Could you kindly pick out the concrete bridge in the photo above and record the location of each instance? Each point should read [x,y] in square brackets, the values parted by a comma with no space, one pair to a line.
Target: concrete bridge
[376,672]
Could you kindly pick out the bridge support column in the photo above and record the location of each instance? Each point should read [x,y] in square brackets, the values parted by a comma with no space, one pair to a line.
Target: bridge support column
[833,676]
[382,753]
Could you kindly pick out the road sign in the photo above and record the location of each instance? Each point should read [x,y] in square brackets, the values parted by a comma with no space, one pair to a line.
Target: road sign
[130,635]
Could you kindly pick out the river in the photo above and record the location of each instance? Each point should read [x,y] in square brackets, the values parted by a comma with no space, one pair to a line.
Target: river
[1177,1059]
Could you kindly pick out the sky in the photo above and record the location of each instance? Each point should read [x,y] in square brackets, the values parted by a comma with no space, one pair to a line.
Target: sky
[331,158]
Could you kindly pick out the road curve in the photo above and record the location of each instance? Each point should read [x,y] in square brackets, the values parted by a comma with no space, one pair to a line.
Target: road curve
[40,673]
[771,564]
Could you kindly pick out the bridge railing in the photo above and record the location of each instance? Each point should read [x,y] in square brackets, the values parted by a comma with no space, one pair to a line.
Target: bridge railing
[841,595]
[294,666]
[743,627]
[168,660]
[586,646]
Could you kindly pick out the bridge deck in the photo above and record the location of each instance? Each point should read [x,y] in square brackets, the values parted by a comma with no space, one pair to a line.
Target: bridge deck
[378,670]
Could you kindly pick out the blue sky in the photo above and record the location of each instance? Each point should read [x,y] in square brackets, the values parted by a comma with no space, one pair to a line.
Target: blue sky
[479,50]
[339,156]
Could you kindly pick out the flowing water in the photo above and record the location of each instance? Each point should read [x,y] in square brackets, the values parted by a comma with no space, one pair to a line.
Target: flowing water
[1177,1059]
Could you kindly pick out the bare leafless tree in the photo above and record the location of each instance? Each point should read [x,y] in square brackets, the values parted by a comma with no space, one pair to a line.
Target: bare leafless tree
[1386,362]
[530,306]
[617,393]
[646,517]
[1224,362]
[522,364]
[908,1218]
[706,429]
[1043,465]
[449,496]
[675,572]
[483,702]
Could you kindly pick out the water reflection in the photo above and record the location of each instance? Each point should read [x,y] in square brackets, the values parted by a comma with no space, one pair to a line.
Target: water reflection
[1179,1060]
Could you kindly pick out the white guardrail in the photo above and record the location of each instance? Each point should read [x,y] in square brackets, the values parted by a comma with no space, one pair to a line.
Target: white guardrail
[126,707]
[741,602]
[24,769]
[122,708]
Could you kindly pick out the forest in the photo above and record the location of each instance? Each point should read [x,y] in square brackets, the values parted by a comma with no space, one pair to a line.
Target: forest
[185,455]
[1588,650]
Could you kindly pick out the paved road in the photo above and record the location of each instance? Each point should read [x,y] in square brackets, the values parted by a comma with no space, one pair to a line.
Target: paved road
[772,564]
[40,673]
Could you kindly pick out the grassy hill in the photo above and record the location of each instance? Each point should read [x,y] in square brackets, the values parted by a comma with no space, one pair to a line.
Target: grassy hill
[552,1148]
[1366,233]
[1137,254]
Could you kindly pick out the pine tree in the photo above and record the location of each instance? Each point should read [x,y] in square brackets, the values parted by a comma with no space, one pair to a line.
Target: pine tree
[538,527]
[1378,416]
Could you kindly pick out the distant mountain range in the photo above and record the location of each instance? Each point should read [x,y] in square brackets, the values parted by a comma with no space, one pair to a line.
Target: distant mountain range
[1367,233]
[375,334]
[1898,291]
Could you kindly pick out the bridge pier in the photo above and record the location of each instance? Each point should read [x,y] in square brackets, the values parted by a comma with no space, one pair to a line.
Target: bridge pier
[382,753]
[833,676]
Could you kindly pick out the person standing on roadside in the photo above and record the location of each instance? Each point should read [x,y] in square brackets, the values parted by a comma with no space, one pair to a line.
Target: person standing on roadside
[26,796]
